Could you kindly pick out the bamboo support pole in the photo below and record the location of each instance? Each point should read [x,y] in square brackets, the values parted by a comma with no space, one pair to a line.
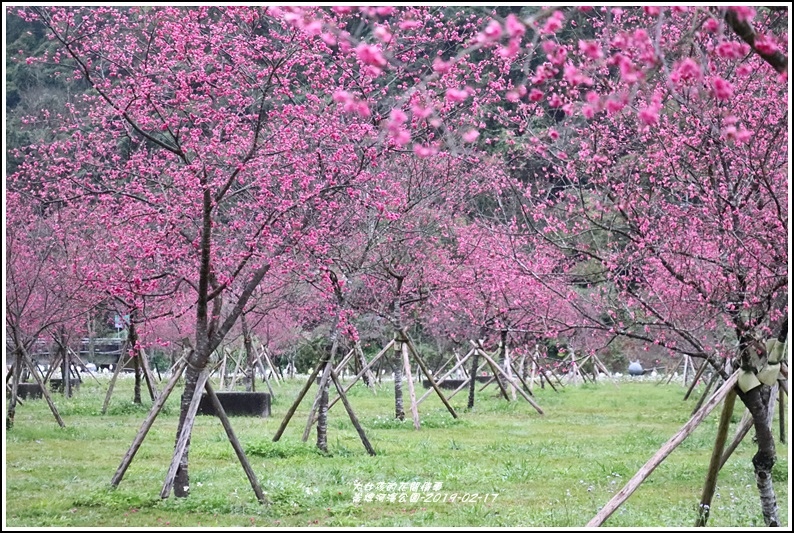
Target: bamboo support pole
[741,431]
[526,397]
[147,423]
[147,375]
[714,377]
[494,368]
[465,382]
[116,371]
[184,434]
[238,449]
[446,374]
[352,415]
[433,383]
[716,455]
[698,374]
[297,401]
[362,371]
[270,365]
[411,391]
[663,452]
[34,372]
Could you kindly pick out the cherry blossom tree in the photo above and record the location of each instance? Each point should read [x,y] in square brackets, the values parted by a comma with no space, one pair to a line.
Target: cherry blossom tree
[44,293]
[196,146]
[647,149]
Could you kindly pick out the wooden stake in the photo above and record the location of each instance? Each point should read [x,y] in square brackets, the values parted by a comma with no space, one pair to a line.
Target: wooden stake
[509,372]
[524,383]
[237,363]
[238,449]
[663,452]
[184,435]
[147,375]
[714,377]
[361,372]
[494,368]
[312,418]
[741,431]
[698,374]
[532,375]
[686,367]
[716,455]
[147,424]
[444,376]
[345,360]
[465,383]
[297,401]
[116,371]
[270,364]
[34,371]
[782,414]
[352,415]
[526,397]
[493,378]
[83,364]
[369,378]
[423,367]
[411,391]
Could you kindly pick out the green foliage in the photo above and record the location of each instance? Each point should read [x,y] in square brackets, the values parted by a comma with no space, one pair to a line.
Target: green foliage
[269,449]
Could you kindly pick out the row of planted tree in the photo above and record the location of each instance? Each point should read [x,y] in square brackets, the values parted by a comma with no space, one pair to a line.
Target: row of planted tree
[566,173]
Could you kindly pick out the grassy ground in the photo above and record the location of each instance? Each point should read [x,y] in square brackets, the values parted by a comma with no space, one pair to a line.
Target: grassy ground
[555,470]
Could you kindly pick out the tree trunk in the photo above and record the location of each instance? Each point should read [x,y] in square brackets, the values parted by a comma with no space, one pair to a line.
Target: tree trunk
[66,378]
[132,342]
[764,459]
[182,478]
[250,367]
[397,365]
[475,362]
[136,394]
[16,372]
[322,407]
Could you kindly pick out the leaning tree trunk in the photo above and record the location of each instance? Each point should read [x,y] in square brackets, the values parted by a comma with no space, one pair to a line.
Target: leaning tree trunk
[764,459]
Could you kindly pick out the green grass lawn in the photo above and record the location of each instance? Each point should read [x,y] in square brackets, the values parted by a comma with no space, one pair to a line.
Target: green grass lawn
[555,470]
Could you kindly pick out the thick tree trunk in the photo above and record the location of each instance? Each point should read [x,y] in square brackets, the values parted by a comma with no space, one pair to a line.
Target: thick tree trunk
[322,416]
[325,381]
[764,459]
